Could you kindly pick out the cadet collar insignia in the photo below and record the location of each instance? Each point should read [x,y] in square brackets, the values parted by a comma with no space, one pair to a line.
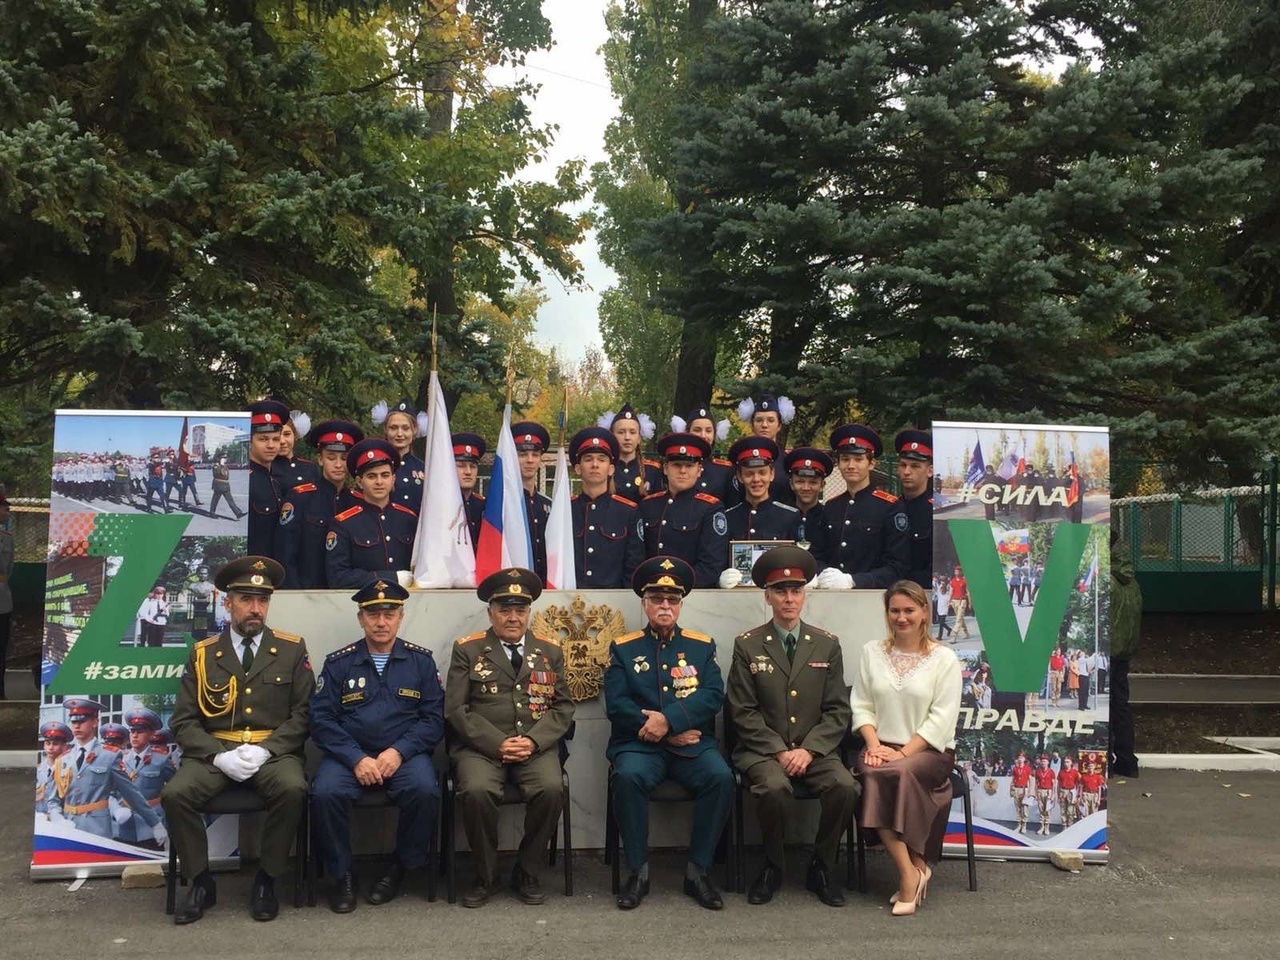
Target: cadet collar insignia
[667,565]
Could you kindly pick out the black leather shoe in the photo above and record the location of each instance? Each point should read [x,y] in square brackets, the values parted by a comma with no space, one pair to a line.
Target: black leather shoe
[704,891]
[387,887]
[202,894]
[527,887]
[342,898]
[819,881]
[1122,769]
[263,904]
[477,895]
[765,885]
[633,891]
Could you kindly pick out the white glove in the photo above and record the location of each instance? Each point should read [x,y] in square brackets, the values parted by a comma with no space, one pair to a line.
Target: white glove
[253,755]
[161,834]
[404,578]
[812,584]
[233,765]
[55,816]
[121,815]
[833,579]
[730,578]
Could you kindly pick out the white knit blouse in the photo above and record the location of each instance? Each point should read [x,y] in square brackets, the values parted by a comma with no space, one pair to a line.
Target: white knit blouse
[921,695]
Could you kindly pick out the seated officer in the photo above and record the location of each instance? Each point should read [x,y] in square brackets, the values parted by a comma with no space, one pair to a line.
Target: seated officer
[468,448]
[241,717]
[306,516]
[531,440]
[862,541]
[662,693]
[604,550]
[915,473]
[377,713]
[790,709]
[758,516]
[507,706]
[373,539]
[680,521]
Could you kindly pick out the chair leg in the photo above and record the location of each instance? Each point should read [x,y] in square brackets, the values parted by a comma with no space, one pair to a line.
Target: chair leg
[450,854]
[171,882]
[433,852]
[740,835]
[862,862]
[850,854]
[302,855]
[611,837]
[568,841]
[968,841]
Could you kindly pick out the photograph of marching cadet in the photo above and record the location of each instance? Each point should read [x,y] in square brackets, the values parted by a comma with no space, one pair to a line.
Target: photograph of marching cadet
[184,604]
[138,463]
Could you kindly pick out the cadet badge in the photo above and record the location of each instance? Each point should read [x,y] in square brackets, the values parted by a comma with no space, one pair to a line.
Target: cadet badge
[330,540]
[640,665]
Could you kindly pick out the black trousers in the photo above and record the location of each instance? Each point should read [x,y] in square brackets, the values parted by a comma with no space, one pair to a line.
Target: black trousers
[1122,736]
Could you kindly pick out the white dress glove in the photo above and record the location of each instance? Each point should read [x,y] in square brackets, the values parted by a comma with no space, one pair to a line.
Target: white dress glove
[55,816]
[812,584]
[233,765]
[404,578]
[161,834]
[833,579]
[253,755]
[730,578]
[121,815]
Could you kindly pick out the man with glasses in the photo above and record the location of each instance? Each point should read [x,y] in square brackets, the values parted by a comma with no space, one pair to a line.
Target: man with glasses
[663,690]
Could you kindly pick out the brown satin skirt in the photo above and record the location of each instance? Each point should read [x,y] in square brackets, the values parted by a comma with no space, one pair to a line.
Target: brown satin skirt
[910,797]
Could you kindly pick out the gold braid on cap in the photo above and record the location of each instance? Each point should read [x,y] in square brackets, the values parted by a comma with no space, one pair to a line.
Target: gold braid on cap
[205,692]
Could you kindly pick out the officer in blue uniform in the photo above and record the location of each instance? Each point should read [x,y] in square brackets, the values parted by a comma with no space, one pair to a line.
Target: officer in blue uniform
[400,428]
[808,468]
[863,540]
[531,440]
[662,691]
[681,521]
[915,473]
[634,475]
[148,770]
[717,472]
[266,419]
[372,540]
[758,516]
[306,516]
[55,738]
[605,550]
[377,713]
[468,448]
[94,772]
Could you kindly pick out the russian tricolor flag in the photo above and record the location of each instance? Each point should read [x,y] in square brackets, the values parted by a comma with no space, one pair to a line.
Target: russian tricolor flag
[505,540]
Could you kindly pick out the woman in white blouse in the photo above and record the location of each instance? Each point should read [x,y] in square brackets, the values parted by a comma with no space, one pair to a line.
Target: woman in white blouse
[906,700]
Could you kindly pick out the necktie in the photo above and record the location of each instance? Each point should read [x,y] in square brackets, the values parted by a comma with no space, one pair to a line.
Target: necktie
[789,645]
[80,759]
[246,658]
[514,650]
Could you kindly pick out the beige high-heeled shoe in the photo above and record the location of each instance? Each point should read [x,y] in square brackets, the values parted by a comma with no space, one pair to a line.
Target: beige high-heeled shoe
[906,908]
[928,875]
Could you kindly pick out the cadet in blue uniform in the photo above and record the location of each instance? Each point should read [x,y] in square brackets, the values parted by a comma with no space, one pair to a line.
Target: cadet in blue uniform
[680,521]
[468,448]
[915,473]
[662,692]
[400,426]
[377,713]
[306,516]
[55,738]
[634,476]
[863,540]
[808,468]
[766,415]
[148,770]
[758,516]
[531,439]
[266,420]
[605,550]
[372,540]
[288,469]
[155,485]
[717,473]
[90,773]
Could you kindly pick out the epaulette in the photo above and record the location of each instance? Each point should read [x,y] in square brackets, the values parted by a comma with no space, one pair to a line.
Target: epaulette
[549,641]
[721,462]
[414,647]
[621,499]
[289,637]
[472,636]
[660,493]
[820,632]
[478,496]
[307,487]
[628,637]
[402,507]
[349,513]
[339,654]
[201,644]
[785,506]
[110,746]
[884,495]
[695,635]
[706,498]
[651,463]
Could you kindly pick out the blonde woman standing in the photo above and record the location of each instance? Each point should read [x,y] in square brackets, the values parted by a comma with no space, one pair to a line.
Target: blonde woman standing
[906,701]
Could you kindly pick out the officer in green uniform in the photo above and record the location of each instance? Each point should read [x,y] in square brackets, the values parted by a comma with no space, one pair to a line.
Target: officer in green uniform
[241,716]
[790,709]
[506,708]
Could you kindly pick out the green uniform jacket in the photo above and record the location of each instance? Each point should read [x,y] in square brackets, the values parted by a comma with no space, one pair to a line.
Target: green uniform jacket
[485,701]
[268,707]
[775,705]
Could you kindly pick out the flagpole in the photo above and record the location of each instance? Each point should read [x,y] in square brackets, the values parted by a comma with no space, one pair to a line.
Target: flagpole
[511,372]
[434,311]
[1097,588]
[564,414]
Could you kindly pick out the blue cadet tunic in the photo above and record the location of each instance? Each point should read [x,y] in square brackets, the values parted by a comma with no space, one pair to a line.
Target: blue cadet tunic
[689,525]
[306,517]
[865,535]
[368,543]
[410,476]
[605,549]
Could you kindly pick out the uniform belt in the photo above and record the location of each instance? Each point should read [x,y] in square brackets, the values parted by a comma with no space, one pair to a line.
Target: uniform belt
[84,808]
[242,736]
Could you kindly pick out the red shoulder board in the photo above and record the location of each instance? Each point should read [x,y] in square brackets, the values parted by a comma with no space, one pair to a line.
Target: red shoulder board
[622,499]
[652,463]
[706,498]
[349,513]
[414,513]
[305,488]
[721,462]
[660,493]
[478,496]
[884,495]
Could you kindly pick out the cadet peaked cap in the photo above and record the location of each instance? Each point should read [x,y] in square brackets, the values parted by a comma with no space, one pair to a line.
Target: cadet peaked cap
[140,718]
[373,452]
[468,446]
[914,445]
[340,435]
[808,462]
[55,730]
[530,436]
[593,440]
[683,446]
[113,733]
[79,707]
[854,436]
[267,416]
[754,452]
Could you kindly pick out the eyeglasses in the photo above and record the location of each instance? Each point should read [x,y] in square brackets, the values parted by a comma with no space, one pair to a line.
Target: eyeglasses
[662,600]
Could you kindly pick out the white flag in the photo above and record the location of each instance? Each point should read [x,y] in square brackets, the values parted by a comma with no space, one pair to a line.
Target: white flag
[561,572]
[443,555]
